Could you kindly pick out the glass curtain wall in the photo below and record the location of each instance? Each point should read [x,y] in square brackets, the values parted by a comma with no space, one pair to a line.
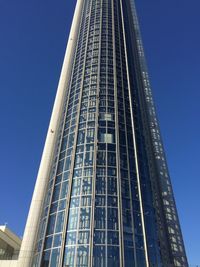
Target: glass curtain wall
[99,208]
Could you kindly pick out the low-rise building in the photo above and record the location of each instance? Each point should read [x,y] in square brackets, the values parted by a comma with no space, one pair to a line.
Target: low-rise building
[10,245]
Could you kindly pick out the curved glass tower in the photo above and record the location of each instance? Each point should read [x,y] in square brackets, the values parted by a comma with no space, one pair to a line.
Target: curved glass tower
[103,195]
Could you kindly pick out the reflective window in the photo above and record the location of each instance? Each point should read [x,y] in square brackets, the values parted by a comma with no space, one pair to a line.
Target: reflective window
[82,256]
[60,222]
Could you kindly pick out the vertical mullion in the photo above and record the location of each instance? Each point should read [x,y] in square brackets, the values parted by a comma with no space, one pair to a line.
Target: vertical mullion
[120,216]
[134,142]
[106,105]
[127,150]
[95,150]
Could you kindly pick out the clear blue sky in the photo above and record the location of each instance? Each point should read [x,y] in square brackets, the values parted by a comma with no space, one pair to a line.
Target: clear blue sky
[33,36]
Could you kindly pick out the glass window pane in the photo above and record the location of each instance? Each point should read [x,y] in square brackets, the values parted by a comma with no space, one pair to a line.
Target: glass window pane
[99,237]
[51,224]
[57,240]
[64,190]
[112,218]
[100,218]
[113,237]
[83,237]
[73,219]
[100,256]
[56,193]
[60,221]
[71,238]
[82,256]
[48,242]
[62,204]
[45,259]
[84,222]
[69,256]
[113,256]
[55,257]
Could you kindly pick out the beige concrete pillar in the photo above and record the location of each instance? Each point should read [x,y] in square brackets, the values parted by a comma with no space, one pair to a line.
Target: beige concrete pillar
[30,233]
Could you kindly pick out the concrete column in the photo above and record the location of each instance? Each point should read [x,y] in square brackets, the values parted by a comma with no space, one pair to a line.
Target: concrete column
[30,233]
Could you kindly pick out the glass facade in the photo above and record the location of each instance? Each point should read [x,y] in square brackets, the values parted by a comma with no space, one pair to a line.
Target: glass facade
[109,200]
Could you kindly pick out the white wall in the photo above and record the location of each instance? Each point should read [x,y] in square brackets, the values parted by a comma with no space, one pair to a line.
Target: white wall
[11,263]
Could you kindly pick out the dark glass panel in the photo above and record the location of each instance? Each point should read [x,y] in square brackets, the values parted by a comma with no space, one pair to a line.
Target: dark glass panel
[99,237]
[113,238]
[51,224]
[55,257]
[48,242]
[60,222]
[113,256]
[45,259]
[100,220]
[57,240]
[99,257]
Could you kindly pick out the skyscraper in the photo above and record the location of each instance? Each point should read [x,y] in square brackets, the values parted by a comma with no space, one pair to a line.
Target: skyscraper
[103,195]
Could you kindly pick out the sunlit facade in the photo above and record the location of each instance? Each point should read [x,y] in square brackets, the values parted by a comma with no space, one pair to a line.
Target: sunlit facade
[103,196]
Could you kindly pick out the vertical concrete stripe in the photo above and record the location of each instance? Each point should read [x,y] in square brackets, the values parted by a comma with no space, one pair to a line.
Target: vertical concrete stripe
[30,233]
